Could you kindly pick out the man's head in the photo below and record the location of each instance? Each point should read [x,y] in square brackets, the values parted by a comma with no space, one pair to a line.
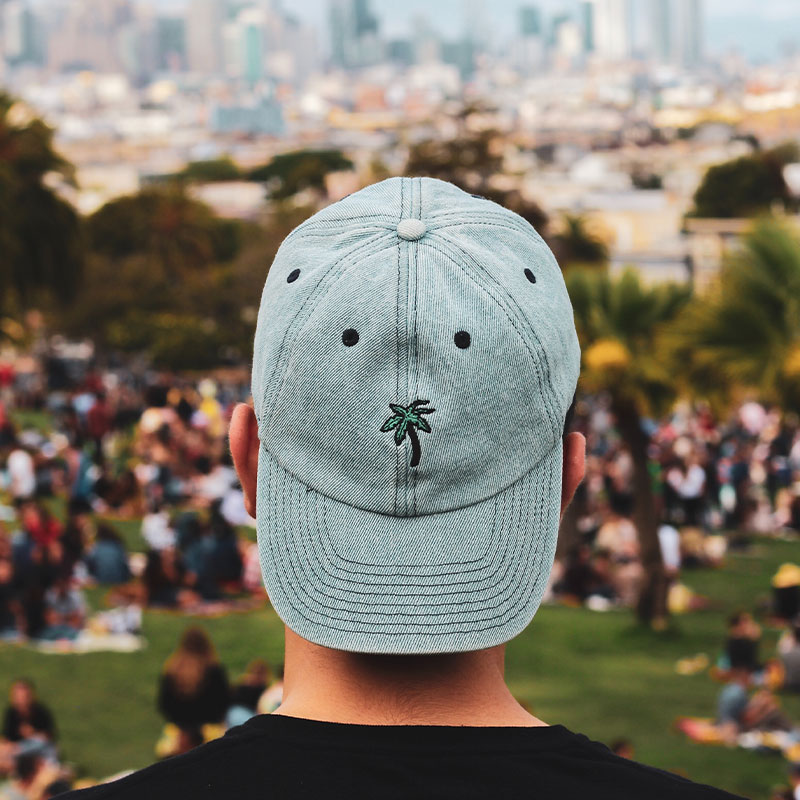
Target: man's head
[21,694]
[414,363]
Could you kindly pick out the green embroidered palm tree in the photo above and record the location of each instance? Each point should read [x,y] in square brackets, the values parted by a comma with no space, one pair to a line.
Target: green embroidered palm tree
[405,421]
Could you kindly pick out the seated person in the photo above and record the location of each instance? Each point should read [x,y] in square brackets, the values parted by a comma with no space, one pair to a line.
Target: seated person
[166,580]
[25,718]
[64,610]
[738,712]
[193,689]
[789,655]
[107,560]
[247,692]
[741,646]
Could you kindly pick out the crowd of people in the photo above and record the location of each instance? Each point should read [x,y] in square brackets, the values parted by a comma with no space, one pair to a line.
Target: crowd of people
[740,476]
[194,696]
[89,451]
[117,446]
[198,702]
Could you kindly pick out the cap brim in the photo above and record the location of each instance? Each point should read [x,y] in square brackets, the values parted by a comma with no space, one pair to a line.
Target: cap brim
[365,582]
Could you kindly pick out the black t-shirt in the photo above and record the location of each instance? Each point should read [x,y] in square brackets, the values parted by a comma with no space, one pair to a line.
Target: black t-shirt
[38,717]
[287,758]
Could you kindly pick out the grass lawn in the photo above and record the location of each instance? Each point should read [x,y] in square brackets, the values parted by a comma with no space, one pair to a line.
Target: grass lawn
[596,673]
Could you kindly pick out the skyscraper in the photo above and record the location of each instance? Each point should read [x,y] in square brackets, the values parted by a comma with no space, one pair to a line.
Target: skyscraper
[20,33]
[204,23]
[677,32]
[609,33]
[355,39]
[530,21]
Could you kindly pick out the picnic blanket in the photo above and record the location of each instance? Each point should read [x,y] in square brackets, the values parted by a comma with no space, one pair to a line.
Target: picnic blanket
[91,642]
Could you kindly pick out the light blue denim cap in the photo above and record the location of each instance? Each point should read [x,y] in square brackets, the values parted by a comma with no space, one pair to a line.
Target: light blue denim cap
[414,361]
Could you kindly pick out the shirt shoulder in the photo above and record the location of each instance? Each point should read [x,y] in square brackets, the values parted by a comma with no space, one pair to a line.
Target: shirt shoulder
[614,776]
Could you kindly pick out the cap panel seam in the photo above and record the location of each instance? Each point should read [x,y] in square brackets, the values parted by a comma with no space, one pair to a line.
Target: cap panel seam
[536,238]
[447,242]
[311,296]
[312,225]
[397,352]
[328,279]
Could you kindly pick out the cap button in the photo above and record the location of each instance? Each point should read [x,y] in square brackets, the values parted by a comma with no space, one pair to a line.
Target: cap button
[411,229]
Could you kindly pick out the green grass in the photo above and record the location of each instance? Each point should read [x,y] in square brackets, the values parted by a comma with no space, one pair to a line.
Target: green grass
[596,673]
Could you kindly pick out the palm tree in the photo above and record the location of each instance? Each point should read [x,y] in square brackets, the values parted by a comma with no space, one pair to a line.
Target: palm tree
[406,420]
[744,335]
[622,325]
[578,245]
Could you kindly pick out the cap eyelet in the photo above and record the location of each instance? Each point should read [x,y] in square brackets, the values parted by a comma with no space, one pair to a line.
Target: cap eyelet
[530,276]
[293,276]
[350,337]
[462,340]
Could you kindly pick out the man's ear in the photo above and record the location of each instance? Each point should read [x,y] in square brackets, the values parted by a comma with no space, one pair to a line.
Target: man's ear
[243,436]
[574,466]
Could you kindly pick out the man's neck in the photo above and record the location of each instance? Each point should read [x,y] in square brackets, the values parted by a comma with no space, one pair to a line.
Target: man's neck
[455,689]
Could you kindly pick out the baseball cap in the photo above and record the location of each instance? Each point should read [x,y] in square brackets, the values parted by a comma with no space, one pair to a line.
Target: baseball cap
[414,360]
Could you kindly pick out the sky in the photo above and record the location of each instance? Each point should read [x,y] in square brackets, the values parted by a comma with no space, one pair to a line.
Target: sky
[756,27]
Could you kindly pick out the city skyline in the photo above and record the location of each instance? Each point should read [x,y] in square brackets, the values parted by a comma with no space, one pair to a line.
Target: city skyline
[759,29]
[755,27]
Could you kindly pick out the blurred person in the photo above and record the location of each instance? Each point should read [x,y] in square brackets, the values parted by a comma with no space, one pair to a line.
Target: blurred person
[789,655]
[247,691]
[794,782]
[77,531]
[32,775]
[623,748]
[741,645]
[786,591]
[272,698]
[40,524]
[98,424]
[27,721]
[193,689]
[107,560]
[65,609]
[167,581]
[739,712]
[21,473]
[57,787]
[8,593]
[406,533]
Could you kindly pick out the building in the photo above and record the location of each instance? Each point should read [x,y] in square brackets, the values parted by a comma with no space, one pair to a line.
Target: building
[21,34]
[204,25]
[355,34]
[170,44]
[244,45]
[677,32]
[528,48]
[87,35]
[608,27]
[261,115]
[530,21]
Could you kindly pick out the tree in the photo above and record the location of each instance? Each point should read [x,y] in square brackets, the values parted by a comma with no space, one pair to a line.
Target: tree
[41,239]
[745,186]
[745,333]
[179,235]
[215,169]
[406,420]
[158,274]
[290,173]
[577,245]
[623,326]
[472,161]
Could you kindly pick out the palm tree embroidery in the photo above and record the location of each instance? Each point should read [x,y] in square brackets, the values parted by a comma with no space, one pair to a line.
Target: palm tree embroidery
[405,421]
